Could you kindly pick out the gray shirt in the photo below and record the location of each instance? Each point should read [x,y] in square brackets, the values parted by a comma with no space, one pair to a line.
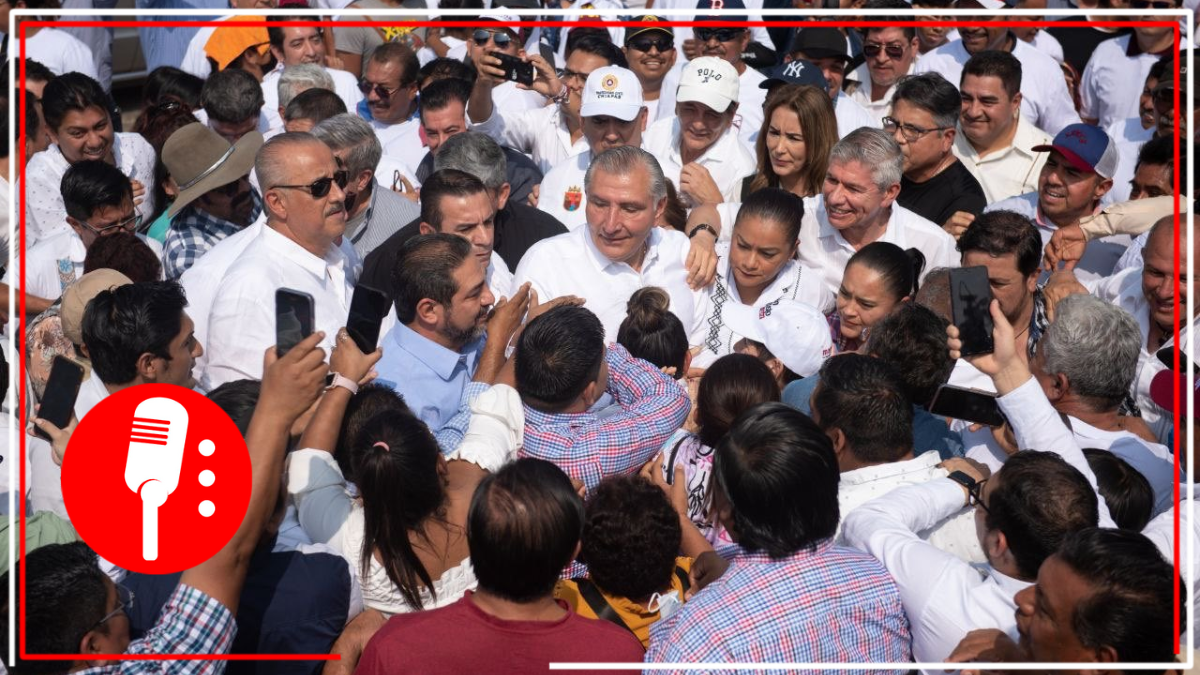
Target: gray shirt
[387,213]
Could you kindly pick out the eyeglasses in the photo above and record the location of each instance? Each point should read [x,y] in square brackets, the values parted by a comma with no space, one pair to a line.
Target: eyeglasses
[130,224]
[911,133]
[722,34]
[381,91]
[1152,4]
[565,74]
[124,604]
[499,37]
[645,44]
[321,186]
[975,496]
[872,49]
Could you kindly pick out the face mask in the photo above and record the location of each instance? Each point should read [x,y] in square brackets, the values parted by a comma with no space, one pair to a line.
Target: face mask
[665,605]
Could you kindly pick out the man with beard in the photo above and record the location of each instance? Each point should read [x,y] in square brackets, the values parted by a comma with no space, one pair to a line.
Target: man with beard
[215,197]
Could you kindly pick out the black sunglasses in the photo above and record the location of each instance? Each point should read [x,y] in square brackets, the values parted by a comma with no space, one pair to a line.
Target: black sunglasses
[1151,4]
[381,91]
[894,51]
[645,44]
[321,186]
[975,496]
[499,37]
[722,34]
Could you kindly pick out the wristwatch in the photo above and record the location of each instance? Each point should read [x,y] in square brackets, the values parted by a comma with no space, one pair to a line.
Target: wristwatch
[339,380]
[966,480]
[703,226]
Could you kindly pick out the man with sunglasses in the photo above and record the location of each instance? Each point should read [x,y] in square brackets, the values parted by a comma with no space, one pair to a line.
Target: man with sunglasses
[650,51]
[497,34]
[304,201]
[390,86]
[826,49]
[292,46]
[728,43]
[890,54]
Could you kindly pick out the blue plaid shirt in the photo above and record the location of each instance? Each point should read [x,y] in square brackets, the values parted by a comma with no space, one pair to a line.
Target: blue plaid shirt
[831,605]
[191,623]
[652,406]
[193,232]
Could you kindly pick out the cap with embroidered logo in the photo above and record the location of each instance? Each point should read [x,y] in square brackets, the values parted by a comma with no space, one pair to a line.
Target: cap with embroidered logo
[1087,148]
[711,81]
[612,91]
[797,334]
[651,24]
[795,72]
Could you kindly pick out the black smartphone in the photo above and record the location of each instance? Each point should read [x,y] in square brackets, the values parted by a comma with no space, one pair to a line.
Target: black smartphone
[62,388]
[367,309]
[293,319]
[970,301]
[969,405]
[515,70]
[1166,356]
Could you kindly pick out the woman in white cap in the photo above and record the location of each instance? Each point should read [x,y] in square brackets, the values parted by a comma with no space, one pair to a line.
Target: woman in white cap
[879,277]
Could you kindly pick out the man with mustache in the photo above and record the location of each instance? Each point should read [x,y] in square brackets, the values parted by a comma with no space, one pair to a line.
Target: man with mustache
[298,249]
[215,197]
[890,54]
[1045,101]
[389,85]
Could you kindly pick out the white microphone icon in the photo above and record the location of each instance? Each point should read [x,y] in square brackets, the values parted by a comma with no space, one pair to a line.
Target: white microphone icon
[155,458]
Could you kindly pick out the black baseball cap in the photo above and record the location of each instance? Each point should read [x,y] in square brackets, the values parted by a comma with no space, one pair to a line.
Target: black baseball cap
[819,43]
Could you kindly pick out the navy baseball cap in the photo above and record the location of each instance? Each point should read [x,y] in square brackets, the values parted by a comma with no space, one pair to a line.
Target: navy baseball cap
[795,72]
[1087,148]
[713,5]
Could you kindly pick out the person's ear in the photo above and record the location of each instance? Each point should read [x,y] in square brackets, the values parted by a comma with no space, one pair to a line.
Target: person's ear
[275,204]
[1102,188]
[839,442]
[591,393]
[644,117]
[147,367]
[426,228]
[1059,386]
[429,312]
[660,209]
[76,226]
[505,193]
[776,367]
[948,136]
[1017,104]
[170,187]
[890,194]
[275,51]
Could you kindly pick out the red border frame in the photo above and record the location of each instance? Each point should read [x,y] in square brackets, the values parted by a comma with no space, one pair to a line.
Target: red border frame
[600,23]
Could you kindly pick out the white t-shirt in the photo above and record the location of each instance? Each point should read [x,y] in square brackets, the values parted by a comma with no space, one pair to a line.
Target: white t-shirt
[344,85]
[1111,84]
[60,51]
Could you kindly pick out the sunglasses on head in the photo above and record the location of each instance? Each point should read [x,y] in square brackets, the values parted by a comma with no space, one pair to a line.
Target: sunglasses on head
[894,51]
[1152,4]
[722,34]
[499,37]
[646,43]
[321,186]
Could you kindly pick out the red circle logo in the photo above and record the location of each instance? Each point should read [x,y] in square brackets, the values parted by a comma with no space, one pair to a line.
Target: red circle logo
[156,478]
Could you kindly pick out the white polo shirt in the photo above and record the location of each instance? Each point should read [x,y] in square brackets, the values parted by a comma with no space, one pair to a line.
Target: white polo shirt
[1045,101]
[862,95]
[829,252]
[728,159]
[540,133]
[562,194]
[1008,172]
[345,86]
[1111,84]
[241,324]
[570,264]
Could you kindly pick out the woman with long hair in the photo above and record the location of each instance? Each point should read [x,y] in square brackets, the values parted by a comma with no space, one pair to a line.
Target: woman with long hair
[799,129]
[879,277]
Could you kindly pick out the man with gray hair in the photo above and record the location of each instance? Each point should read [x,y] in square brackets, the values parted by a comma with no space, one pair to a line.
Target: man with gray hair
[296,80]
[620,250]
[858,205]
[517,227]
[373,214]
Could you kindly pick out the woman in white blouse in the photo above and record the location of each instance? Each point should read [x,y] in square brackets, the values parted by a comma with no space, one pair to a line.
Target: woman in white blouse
[405,532]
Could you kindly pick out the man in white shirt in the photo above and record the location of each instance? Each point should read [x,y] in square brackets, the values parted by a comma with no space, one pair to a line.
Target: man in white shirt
[1071,186]
[996,140]
[699,150]
[1045,101]
[295,45]
[613,114]
[620,250]
[728,42]
[1112,81]
[455,202]
[391,104]
[77,117]
[890,54]
[650,50]
[826,48]
[555,132]
[306,216]
[858,206]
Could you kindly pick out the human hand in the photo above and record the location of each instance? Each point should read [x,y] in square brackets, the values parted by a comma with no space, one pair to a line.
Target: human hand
[706,568]
[537,308]
[987,644]
[1061,284]
[676,490]
[958,223]
[139,191]
[545,81]
[507,315]
[59,438]
[975,469]
[696,182]
[701,262]
[404,188]
[534,194]
[1066,246]
[290,384]
[349,361]
[691,48]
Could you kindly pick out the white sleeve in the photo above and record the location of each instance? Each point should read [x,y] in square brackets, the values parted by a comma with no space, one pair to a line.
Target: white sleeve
[1057,110]
[1088,105]
[318,488]
[497,429]
[511,129]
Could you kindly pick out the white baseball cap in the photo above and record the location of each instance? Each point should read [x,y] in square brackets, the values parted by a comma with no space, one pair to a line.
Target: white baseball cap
[612,91]
[711,81]
[797,334]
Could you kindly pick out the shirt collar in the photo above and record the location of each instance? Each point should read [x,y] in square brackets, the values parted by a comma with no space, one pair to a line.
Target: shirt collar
[602,262]
[442,361]
[924,463]
[828,230]
[1134,49]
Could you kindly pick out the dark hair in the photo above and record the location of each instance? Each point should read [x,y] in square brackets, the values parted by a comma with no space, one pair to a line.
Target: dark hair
[401,54]
[446,183]
[121,324]
[522,529]
[865,398]
[933,94]
[370,401]
[396,467]
[66,593]
[167,83]
[913,340]
[125,253]
[595,43]
[443,68]
[424,268]
[69,92]
[675,214]
[899,268]
[232,96]
[92,184]
[729,387]
[275,32]
[1132,591]
[439,94]
[33,121]
[997,64]
[558,354]
[780,476]
[1040,499]
[237,399]
[314,104]
[1156,70]
[652,333]
[1126,491]
[156,124]
[934,294]
[777,206]
[1160,151]
[909,31]
[631,535]
[36,71]
[998,233]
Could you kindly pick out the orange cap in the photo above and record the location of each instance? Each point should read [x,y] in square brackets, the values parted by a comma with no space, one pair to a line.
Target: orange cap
[227,43]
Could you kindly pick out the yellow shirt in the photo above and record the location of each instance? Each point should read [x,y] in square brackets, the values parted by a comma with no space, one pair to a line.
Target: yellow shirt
[635,616]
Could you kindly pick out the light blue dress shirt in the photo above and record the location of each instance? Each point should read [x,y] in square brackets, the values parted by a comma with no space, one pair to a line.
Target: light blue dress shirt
[430,377]
[167,46]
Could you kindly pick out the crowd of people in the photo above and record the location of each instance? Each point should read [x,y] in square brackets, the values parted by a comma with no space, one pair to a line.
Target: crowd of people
[670,347]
